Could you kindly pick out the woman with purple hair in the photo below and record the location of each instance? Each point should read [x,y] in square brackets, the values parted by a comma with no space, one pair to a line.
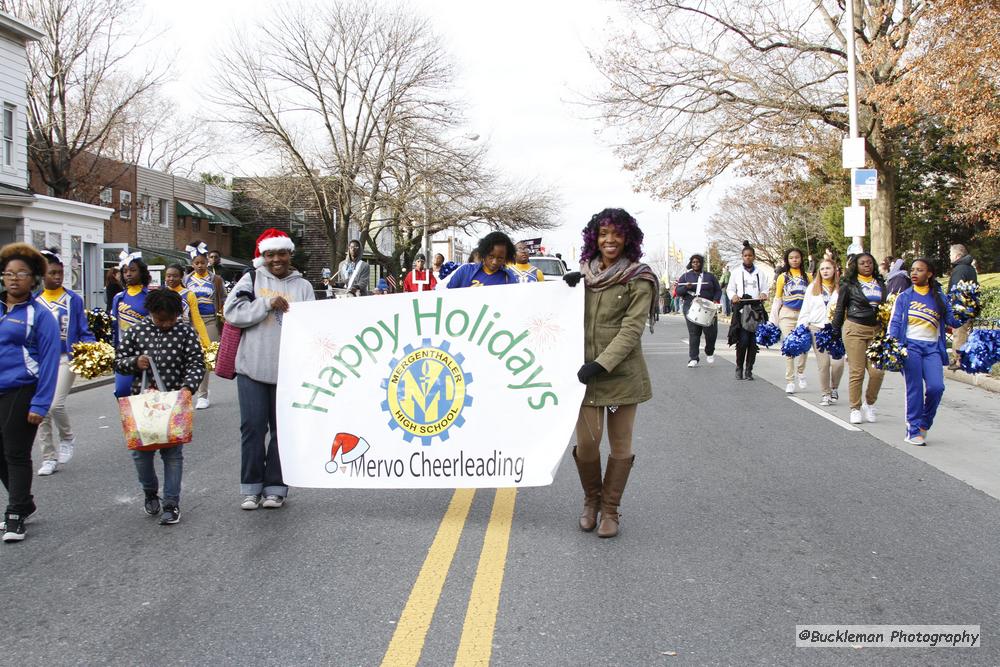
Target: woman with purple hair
[619,301]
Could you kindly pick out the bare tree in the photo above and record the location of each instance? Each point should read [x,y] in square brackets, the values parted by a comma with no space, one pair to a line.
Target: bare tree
[152,134]
[82,81]
[697,87]
[745,214]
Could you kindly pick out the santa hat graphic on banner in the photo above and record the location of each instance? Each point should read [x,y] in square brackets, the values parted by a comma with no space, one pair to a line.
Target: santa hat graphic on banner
[271,239]
[349,447]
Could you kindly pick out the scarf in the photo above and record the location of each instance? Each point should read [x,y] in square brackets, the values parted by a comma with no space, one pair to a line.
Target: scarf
[895,270]
[621,272]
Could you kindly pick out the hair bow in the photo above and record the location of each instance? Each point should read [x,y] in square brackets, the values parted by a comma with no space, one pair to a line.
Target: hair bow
[48,253]
[201,249]
[125,258]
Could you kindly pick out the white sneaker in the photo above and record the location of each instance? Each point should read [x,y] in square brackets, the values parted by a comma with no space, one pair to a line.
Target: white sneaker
[693,363]
[802,381]
[201,404]
[250,502]
[855,416]
[273,502]
[825,400]
[66,450]
[710,358]
[834,396]
[790,388]
[869,412]
[48,467]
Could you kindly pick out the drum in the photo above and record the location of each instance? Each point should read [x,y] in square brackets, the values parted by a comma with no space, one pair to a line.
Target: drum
[702,312]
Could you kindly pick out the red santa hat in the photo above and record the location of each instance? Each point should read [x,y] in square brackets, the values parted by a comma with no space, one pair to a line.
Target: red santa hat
[271,239]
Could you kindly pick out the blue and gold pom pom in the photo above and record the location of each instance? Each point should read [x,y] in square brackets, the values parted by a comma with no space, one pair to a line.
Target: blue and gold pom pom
[828,340]
[797,342]
[768,334]
[981,352]
[966,300]
[886,353]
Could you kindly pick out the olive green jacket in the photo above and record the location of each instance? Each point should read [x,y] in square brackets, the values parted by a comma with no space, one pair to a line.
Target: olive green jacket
[614,320]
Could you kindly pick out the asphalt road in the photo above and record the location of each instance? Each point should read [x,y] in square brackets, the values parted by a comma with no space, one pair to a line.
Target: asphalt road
[745,516]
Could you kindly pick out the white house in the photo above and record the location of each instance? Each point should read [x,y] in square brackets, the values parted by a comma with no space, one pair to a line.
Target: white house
[76,229]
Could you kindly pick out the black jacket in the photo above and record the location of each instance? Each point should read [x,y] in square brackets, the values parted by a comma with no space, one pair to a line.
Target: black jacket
[852,304]
[962,270]
[710,288]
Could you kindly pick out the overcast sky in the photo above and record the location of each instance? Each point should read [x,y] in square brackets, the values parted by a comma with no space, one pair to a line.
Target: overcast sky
[522,66]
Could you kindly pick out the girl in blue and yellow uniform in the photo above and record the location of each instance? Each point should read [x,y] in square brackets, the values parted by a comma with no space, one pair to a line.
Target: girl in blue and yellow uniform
[210,292]
[129,308]
[173,278]
[918,322]
[789,294]
[68,309]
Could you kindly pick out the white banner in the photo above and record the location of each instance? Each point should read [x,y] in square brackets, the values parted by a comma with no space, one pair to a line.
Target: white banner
[466,388]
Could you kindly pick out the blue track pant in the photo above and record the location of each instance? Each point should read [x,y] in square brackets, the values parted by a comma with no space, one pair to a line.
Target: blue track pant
[923,374]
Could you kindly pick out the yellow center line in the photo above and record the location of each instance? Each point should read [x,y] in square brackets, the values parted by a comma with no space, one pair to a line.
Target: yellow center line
[476,644]
[411,631]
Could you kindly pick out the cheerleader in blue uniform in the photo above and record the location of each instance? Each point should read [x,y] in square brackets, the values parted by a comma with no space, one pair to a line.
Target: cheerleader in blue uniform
[129,308]
[210,292]
[71,315]
[918,322]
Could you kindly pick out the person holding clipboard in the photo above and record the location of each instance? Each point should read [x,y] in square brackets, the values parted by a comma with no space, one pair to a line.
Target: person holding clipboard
[747,290]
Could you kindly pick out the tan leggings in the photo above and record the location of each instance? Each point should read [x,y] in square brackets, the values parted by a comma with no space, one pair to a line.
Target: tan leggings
[590,431]
[787,321]
[857,337]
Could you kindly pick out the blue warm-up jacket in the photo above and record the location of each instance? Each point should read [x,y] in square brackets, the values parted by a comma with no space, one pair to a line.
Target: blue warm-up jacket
[901,316]
[30,346]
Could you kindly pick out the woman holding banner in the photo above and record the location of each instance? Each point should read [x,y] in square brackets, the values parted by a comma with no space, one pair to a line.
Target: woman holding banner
[256,305]
[619,301]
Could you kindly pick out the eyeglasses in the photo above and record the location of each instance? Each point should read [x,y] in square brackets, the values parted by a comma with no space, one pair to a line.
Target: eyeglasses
[20,275]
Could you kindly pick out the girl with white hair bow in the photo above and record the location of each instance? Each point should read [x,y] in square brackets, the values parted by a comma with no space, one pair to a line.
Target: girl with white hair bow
[210,292]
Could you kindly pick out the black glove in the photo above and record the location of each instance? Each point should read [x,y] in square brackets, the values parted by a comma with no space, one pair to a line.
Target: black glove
[572,278]
[589,370]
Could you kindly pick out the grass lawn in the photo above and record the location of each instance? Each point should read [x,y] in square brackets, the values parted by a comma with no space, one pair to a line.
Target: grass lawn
[989,280]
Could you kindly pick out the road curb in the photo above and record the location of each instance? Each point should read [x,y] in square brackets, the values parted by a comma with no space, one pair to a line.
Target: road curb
[90,384]
[981,380]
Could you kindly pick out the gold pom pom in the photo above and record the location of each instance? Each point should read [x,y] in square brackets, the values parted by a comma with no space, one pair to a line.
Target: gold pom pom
[885,311]
[91,360]
[210,353]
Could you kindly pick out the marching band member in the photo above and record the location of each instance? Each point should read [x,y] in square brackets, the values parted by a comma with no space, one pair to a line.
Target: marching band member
[210,291]
[697,283]
[789,293]
[858,301]
[815,314]
[71,315]
[619,301]
[748,289]
[419,279]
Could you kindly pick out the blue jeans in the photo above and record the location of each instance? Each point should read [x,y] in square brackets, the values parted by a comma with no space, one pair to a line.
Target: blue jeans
[260,467]
[173,467]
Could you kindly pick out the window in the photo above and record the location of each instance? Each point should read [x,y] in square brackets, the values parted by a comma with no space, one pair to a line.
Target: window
[125,201]
[106,197]
[297,223]
[8,135]
[225,230]
[145,209]
[164,213]
[195,224]
[180,222]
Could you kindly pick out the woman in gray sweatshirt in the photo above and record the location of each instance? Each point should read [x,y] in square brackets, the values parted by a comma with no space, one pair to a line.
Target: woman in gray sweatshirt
[256,305]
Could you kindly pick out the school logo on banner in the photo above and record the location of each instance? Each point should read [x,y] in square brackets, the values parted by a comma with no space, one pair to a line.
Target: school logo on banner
[449,388]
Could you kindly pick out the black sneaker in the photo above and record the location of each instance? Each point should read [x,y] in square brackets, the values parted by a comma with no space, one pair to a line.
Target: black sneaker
[739,373]
[13,528]
[152,504]
[171,515]
[748,375]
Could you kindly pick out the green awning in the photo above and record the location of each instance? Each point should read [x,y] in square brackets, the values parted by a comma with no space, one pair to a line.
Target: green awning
[226,218]
[206,213]
[184,208]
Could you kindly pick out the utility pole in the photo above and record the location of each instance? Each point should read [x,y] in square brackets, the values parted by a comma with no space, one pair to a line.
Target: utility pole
[852,96]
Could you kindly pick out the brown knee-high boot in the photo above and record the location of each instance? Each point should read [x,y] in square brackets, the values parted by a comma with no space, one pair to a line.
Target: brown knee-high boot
[615,479]
[590,479]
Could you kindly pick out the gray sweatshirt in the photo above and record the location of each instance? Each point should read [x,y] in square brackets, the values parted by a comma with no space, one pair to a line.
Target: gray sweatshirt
[257,357]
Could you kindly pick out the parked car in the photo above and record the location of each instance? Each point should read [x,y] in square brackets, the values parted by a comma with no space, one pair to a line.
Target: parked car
[551,267]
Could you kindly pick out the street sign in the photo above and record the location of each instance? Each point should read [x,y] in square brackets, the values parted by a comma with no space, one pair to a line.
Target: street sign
[854,221]
[865,183]
[853,151]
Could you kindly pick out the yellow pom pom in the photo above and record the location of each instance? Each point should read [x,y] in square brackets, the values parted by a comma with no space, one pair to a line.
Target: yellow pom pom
[210,354]
[91,360]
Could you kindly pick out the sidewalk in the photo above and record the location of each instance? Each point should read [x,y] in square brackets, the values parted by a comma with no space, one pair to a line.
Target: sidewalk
[963,443]
[80,384]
